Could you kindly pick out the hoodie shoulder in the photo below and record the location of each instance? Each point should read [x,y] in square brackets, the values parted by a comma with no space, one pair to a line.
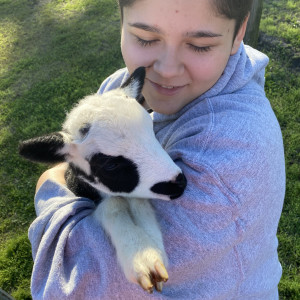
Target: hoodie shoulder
[114,81]
[244,70]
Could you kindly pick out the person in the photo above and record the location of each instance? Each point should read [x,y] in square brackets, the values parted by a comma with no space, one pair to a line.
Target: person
[210,112]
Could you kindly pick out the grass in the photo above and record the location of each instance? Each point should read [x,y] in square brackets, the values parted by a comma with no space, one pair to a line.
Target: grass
[280,39]
[54,52]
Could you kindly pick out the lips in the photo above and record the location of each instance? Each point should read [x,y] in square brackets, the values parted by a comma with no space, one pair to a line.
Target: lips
[167,90]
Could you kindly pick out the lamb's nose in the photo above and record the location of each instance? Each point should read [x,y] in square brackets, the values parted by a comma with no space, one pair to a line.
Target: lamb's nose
[180,185]
[173,188]
[181,181]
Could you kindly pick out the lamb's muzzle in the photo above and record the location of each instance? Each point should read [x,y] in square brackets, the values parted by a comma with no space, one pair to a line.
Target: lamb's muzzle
[174,189]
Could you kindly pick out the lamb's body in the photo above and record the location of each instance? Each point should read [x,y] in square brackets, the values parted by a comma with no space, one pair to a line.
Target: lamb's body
[113,155]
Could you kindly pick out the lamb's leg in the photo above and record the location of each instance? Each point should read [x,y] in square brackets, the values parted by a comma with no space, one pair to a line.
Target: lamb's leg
[144,217]
[139,256]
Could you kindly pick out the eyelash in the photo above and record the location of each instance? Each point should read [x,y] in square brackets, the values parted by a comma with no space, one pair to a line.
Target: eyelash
[199,49]
[145,43]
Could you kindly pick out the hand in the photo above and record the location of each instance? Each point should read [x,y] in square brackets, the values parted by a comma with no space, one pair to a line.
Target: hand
[56,174]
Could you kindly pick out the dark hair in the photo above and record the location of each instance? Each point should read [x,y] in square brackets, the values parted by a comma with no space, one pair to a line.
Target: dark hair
[124,3]
[237,10]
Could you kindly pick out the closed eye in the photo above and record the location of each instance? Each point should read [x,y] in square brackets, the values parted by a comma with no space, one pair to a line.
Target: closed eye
[117,173]
[111,165]
[108,163]
[199,49]
[145,43]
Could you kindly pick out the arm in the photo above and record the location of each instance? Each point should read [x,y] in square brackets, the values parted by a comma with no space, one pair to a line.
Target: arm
[56,174]
[51,235]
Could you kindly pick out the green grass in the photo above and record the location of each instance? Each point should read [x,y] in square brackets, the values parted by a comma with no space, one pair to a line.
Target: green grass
[281,19]
[54,52]
[280,39]
[16,265]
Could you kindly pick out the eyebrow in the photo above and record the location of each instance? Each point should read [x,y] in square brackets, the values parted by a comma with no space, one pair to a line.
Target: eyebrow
[145,27]
[202,34]
[193,34]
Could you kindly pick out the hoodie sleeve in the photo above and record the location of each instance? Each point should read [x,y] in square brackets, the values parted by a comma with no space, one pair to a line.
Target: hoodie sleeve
[59,211]
[55,206]
[73,257]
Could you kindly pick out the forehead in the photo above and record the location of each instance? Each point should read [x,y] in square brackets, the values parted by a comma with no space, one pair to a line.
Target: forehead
[179,16]
[112,111]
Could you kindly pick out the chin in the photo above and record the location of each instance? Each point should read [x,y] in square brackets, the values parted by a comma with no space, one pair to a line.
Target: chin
[164,109]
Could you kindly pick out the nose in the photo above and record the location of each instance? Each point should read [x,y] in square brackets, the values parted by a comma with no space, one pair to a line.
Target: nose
[181,181]
[173,188]
[168,64]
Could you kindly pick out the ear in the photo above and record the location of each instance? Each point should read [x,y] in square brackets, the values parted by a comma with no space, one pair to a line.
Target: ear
[239,37]
[134,84]
[45,149]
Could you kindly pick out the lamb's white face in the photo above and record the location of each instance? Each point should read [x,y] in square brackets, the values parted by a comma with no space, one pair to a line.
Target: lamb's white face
[111,139]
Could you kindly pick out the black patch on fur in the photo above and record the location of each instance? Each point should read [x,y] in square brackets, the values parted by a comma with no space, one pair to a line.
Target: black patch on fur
[139,76]
[43,149]
[117,173]
[78,186]
[174,189]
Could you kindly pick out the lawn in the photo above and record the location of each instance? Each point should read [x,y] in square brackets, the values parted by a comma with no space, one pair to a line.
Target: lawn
[54,52]
[280,39]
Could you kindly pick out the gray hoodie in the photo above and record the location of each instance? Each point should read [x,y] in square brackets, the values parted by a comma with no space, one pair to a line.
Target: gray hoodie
[220,236]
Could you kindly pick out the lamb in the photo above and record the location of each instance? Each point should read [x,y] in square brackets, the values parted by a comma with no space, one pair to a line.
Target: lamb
[114,158]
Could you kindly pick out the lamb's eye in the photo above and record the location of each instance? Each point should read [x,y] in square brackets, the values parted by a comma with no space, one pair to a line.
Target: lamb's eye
[84,130]
[111,166]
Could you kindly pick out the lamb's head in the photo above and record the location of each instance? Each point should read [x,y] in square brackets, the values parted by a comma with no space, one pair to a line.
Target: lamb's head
[109,140]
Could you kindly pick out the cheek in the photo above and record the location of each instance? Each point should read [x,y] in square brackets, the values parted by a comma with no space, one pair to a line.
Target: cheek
[210,69]
[134,56]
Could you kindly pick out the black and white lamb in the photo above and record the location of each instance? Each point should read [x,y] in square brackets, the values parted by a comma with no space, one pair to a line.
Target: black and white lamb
[114,158]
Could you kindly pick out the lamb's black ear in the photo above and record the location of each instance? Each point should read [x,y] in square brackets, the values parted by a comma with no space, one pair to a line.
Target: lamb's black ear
[44,149]
[134,84]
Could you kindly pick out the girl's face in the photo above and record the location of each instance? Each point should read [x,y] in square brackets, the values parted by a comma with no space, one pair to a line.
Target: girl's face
[184,44]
